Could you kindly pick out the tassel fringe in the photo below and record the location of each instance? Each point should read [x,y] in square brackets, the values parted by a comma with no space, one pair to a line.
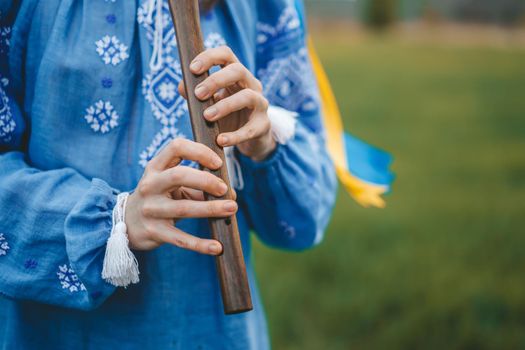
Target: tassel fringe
[121,268]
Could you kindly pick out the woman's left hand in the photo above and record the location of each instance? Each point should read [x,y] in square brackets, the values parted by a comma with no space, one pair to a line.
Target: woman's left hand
[240,108]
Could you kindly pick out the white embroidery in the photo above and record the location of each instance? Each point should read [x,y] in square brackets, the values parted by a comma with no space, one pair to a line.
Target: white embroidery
[111,50]
[5,34]
[7,124]
[4,245]
[102,117]
[160,90]
[145,18]
[214,40]
[159,86]
[287,24]
[288,82]
[161,139]
[69,279]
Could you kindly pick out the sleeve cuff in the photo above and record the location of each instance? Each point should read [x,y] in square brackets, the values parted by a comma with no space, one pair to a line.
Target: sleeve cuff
[87,229]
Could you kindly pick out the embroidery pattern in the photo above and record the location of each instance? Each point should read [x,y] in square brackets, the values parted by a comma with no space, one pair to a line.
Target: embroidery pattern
[287,80]
[111,50]
[160,86]
[7,124]
[102,117]
[288,230]
[30,264]
[214,40]
[168,30]
[4,245]
[288,25]
[69,279]
[287,83]
[5,34]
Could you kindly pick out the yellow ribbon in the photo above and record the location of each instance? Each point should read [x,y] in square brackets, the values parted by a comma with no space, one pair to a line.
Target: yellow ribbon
[364,193]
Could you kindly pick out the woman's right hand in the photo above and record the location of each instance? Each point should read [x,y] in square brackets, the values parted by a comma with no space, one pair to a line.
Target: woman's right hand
[169,192]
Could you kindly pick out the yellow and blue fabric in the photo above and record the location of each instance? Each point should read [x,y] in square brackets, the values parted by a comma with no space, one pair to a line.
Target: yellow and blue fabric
[364,170]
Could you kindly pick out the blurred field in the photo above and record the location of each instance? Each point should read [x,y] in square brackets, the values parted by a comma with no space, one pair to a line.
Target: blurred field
[443,267]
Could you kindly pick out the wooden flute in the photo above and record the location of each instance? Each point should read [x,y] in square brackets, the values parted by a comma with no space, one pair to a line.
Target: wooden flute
[231,268]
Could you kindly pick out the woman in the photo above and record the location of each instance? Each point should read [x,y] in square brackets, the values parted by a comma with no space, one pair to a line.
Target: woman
[90,109]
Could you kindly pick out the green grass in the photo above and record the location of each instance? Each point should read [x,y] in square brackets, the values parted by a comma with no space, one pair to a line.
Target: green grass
[443,267]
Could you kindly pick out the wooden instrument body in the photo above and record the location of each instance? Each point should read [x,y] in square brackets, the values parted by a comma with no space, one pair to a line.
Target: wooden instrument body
[230,264]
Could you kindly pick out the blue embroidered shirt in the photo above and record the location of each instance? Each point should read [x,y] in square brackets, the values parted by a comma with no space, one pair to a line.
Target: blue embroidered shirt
[81,113]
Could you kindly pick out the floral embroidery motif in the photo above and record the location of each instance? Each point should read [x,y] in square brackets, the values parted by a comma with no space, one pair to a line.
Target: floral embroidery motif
[102,117]
[30,264]
[69,279]
[7,124]
[107,83]
[288,26]
[111,50]
[287,80]
[160,90]
[4,245]
[287,83]
[111,18]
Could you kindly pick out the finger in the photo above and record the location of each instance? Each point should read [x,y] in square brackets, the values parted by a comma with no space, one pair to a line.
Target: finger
[234,73]
[254,128]
[166,208]
[245,98]
[179,149]
[219,56]
[188,193]
[172,178]
[172,235]
[182,89]
[221,95]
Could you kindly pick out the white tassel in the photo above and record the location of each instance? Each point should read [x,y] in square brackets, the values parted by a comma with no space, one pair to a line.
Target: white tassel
[121,268]
[283,123]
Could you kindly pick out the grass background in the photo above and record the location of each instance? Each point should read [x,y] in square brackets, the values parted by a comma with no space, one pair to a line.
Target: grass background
[443,267]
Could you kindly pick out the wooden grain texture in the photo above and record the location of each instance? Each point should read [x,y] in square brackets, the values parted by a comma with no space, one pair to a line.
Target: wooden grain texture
[230,265]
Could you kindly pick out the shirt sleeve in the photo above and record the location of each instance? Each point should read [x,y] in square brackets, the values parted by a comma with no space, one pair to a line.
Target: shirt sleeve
[53,224]
[289,196]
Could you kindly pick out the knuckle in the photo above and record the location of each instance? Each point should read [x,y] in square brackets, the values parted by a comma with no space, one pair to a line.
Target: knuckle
[180,210]
[266,124]
[213,208]
[251,132]
[150,232]
[258,85]
[238,68]
[145,187]
[226,50]
[147,209]
[265,104]
[176,176]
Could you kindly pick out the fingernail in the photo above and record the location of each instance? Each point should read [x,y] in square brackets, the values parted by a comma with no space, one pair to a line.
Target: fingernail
[230,206]
[196,66]
[215,248]
[223,188]
[201,91]
[223,140]
[210,112]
